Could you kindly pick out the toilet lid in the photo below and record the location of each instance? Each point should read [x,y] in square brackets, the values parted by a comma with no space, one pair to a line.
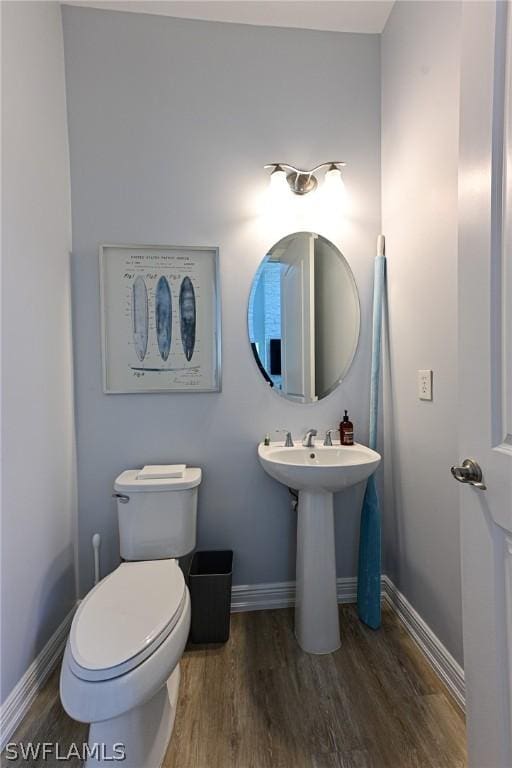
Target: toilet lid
[129,481]
[125,618]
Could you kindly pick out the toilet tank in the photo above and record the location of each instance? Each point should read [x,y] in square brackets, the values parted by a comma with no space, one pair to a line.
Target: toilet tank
[157,517]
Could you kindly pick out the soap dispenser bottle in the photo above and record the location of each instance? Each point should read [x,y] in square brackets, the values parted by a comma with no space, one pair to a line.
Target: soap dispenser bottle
[346,431]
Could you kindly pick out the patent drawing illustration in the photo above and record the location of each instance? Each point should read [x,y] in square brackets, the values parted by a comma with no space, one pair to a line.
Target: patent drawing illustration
[140,317]
[188,317]
[163,317]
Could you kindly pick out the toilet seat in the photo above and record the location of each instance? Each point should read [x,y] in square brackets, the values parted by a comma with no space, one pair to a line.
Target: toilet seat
[125,618]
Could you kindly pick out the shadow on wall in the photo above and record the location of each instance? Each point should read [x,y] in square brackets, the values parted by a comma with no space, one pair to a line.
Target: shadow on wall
[36,624]
[56,599]
[398,563]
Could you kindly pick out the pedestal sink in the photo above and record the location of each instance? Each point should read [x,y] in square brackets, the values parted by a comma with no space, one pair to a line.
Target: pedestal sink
[317,473]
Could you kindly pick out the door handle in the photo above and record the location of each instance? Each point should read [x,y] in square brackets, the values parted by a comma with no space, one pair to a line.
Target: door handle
[469,473]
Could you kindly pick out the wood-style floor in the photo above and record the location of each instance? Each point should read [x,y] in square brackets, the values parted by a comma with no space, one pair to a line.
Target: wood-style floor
[261,702]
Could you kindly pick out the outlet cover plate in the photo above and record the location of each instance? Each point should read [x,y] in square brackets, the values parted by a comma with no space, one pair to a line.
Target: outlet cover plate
[425,385]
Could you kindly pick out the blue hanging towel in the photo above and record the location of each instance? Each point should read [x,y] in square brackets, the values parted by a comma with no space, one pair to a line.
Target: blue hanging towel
[369,570]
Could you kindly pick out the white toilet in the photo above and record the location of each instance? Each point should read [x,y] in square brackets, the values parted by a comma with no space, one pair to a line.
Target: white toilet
[120,671]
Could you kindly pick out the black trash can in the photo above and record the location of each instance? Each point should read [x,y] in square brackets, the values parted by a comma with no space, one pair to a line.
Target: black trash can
[210,595]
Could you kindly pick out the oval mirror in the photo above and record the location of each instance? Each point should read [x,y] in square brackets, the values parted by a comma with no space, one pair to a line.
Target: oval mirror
[304,317]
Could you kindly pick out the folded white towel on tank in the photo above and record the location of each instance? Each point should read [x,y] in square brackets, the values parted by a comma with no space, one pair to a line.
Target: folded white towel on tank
[161,471]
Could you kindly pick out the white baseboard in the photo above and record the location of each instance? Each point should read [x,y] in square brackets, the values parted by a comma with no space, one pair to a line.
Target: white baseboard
[261,597]
[17,704]
[443,663]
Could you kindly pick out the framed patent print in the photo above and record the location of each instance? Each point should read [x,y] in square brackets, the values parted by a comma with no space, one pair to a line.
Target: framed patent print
[160,313]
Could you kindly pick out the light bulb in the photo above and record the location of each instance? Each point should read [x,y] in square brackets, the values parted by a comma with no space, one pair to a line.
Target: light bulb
[278,183]
[334,183]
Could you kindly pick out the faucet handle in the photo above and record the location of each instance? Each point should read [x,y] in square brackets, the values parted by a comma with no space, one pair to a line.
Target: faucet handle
[328,439]
[288,442]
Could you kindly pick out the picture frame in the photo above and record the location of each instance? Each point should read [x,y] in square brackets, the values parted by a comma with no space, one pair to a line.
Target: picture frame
[160,318]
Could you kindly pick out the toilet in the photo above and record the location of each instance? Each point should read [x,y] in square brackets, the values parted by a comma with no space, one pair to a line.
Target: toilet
[120,670]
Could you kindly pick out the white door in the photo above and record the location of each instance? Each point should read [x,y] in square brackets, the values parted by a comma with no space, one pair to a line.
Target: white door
[485,378]
[298,318]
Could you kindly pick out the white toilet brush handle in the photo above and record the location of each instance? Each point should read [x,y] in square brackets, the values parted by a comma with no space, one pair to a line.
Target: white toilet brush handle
[96,541]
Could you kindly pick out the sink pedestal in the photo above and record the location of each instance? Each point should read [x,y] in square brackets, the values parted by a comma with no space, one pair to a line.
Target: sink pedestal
[317,472]
[316,609]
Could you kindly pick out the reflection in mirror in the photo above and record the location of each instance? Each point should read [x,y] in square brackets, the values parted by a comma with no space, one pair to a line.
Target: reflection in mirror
[304,317]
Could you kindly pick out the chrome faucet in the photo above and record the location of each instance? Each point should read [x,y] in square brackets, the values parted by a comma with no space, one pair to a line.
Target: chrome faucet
[307,441]
[288,442]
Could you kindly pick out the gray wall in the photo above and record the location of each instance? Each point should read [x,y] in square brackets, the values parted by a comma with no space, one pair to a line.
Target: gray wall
[170,124]
[38,472]
[420,121]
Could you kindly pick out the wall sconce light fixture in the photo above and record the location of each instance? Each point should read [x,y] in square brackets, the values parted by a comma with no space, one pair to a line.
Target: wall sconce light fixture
[301,182]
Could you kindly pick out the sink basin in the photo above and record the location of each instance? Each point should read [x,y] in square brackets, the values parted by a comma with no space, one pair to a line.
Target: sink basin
[328,468]
[317,473]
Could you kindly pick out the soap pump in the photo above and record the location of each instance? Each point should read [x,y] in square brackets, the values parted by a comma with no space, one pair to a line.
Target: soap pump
[346,431]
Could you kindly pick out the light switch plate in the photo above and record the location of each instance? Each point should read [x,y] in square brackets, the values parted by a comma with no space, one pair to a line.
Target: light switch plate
[425,385]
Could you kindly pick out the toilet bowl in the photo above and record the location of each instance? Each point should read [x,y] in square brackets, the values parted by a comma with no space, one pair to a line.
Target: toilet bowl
[120,671]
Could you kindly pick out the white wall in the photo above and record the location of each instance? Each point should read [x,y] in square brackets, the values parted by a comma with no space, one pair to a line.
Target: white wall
[38,501]
[171,122]
[336,307]
[420,121]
